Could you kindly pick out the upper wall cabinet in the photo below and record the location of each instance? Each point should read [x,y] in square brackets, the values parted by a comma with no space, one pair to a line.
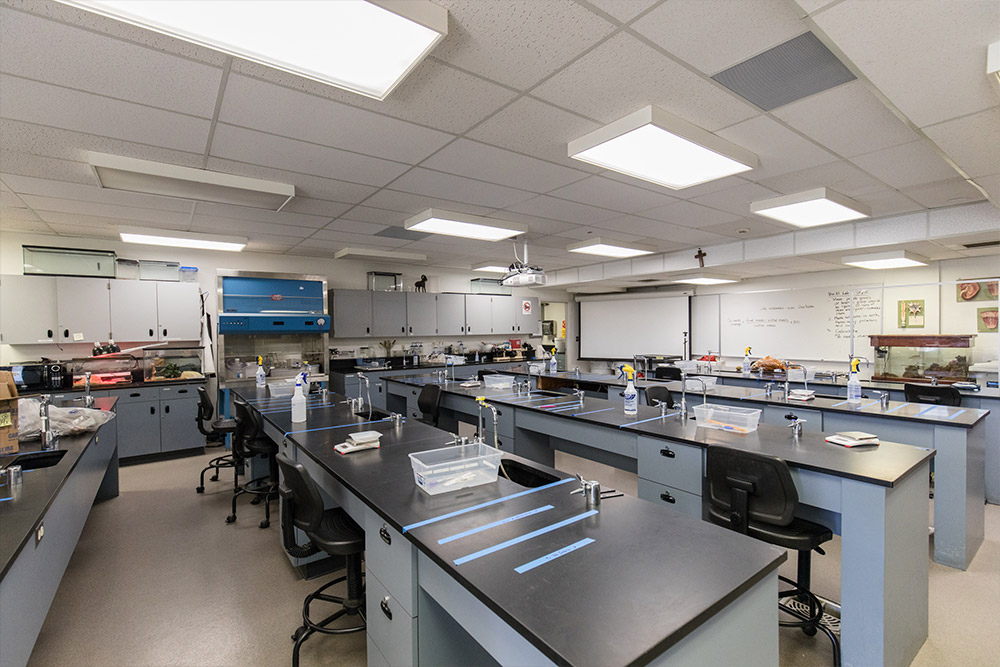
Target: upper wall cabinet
[178,311]
[352,313]
[83,306]
[529,316]
[421,314]
[133,311]
[504,315]
[478,314]
[388,313]
[27,310]
[450,314]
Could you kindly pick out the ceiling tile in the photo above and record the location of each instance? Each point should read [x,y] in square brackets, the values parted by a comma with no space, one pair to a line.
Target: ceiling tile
[235,143]
[739,30]
[623,75]
[378,216]
[686,193]
[92,193]
[532,127]
[318,207]
[747,228]
[660,231]
[411,203]
[44,104]
[433,94]
[90,232]
[735,200]
[352,226]
[840,176]
[263,106]
[246,228]
[848,120]
[36,48]
[623,10]
[906,165]
[992,186]
[582,233]
[282,217]
[517,42]
[495,165]
[39,204]
[345,237]
[535,224]
[38,166]
[615,195]
[929,60]
[13,224]
[80,221]
[973,142]
[964,220]
[780,150]
[560,209]
[257,246]
[888,202]
[445,186]
[687,214]
[313,187]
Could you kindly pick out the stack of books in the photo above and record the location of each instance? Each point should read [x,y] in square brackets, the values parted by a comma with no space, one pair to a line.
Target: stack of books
[853,438]
[801,395]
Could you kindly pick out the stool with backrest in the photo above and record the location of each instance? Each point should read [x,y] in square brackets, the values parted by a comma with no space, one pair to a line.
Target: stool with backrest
[659,393]
[667,373]
[219,428]
[429,403]
[937,395]
[247,443]
[753,494]
[329,530]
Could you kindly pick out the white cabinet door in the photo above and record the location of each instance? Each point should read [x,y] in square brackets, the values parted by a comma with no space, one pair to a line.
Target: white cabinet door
[529,317]
[352,313]
[133,311]
[27,309]
[388,313]
[84,310]
[478,314]
[450,314]
[178,311]
[504,317]
[421,314]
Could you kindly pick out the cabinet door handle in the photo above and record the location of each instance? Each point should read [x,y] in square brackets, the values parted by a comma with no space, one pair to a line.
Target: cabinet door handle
[368,329]
[164,332]
[182,391]
[150,333]
[667,498]
[384,606]
[152,410]
[166,409]
[411,329]
[65,333]
[669,453]
[135,394]
[48,333]
[383,532]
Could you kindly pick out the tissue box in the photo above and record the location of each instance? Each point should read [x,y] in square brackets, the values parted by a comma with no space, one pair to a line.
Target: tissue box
[8,414]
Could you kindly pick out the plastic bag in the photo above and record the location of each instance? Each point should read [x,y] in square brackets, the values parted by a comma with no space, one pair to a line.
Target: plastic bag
[62,421]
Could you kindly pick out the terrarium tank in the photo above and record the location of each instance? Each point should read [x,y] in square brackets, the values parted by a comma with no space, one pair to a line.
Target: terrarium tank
[163,364]
[909,358]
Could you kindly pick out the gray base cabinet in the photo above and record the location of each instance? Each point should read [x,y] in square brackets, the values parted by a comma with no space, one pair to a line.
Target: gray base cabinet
[152,420]
[138,428]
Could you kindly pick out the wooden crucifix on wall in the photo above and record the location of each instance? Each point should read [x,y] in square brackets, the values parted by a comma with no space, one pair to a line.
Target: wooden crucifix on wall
[700,256]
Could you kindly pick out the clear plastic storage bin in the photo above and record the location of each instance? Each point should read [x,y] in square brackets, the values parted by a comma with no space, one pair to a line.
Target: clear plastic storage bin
[498,381]
[725,418]
[453,468]
[695,385]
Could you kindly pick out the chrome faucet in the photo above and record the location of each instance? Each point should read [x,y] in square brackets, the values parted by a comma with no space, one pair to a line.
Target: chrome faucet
[704,389]
[591,490]
[684,405]
[796,424]
[48,437]
[768,388]
[805,380]
[581,394]
[576,371]
[88,400]
[662,405]
[496,420]
[883,398]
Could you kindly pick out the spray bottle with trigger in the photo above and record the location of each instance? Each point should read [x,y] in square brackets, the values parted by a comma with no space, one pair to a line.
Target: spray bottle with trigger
[746,361]
[853,383]
[261,375]
[631,395]
[299,400]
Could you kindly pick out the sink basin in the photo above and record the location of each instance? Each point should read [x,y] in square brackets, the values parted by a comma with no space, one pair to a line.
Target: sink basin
[376,414]
[35,460]
[527,476]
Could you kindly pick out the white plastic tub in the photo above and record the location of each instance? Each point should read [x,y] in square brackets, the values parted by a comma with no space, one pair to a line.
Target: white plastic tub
[453,468]
[726,418]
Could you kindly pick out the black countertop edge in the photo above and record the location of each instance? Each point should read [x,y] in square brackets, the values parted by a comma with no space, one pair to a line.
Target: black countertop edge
[75,446]
[129,385]
[352,370]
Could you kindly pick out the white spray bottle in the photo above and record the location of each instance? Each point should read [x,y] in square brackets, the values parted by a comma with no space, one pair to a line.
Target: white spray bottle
[631,395]
[299,400]
[261,375]
[746,362]
[553,363]
[853,383]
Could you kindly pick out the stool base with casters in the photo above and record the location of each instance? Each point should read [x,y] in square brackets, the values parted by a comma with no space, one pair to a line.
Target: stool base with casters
[246,445]
[352,605]
[217,429]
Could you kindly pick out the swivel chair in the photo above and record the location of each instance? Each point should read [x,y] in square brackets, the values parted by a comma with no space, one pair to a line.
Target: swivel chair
[659,393]
[329,530]
[219,428]
[667,373]
[429,403]
[937,395]
[246,445]
[753,494]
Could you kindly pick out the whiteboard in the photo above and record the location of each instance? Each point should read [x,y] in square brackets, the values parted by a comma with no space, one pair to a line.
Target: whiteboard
[808,324]
[621,328]
[704,324]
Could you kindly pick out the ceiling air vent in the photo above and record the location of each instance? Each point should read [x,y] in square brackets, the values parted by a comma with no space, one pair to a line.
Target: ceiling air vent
[798,68]
[400,233]
[981,244]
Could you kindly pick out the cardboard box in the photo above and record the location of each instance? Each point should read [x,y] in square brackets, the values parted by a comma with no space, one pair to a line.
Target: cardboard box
[8,414]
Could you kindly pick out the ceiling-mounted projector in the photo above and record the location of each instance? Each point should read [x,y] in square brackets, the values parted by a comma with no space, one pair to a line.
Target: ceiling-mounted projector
[519,274]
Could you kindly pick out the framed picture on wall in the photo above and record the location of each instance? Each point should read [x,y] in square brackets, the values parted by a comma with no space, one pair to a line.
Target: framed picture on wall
[911,314]
[977,290]
[986,319]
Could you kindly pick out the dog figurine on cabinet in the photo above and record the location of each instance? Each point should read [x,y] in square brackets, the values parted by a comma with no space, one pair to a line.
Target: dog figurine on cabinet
[421,285]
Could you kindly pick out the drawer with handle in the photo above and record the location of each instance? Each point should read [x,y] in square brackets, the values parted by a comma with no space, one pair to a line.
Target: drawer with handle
[667,496]
[670,463]
[393,559]
[391,629]
[136,394]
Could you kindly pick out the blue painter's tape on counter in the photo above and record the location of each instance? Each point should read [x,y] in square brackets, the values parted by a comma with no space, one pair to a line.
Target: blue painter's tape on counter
[590,412]
[479,529]
[524,538]
[552,556]
[651,419]
[957,413]
[901,405]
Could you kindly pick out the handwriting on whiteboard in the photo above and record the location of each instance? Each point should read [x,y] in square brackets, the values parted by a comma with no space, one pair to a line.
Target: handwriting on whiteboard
[866,315]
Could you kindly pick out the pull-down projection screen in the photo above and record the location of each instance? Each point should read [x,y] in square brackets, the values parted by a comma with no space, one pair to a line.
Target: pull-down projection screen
[619,328]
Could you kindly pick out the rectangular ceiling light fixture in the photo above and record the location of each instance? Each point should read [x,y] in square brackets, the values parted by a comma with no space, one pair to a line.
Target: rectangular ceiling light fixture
[811,208]
[115,172]
[364,46]
[993,65]
[706,278]
[894,259]
[181,239]
[378,253]
[490,267]
[661,148]
[450,223]
[598,246]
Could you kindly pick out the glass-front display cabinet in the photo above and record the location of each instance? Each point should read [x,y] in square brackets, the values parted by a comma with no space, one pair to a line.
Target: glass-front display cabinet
[909,358]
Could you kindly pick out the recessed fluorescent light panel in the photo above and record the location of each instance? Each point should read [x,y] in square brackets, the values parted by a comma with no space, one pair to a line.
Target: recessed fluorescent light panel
[449,223]
[115,172]
[811,208]
[364,46]
[377,253]
[661,148]
[895,259]
[181,239]
[597,246]
[490,267]
[993,64]
[704,278]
